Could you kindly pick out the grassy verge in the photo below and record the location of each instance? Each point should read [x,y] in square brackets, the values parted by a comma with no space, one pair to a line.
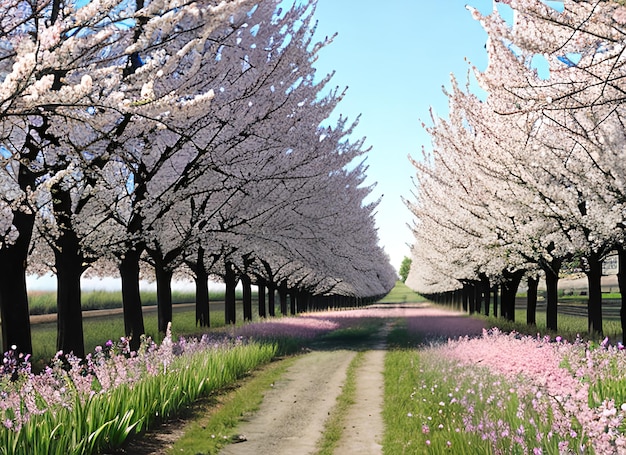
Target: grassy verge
[101,413]
[401,293]
[44,302]
[220,414]
[333,427]
[436,406]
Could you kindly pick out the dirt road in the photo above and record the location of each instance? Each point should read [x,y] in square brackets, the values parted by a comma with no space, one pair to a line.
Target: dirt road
[293,413]
[292,416]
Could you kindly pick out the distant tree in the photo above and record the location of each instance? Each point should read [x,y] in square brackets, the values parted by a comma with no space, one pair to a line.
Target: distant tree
[405,267]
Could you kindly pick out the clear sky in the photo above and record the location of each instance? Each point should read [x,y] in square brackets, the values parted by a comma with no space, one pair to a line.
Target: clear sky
[394,57]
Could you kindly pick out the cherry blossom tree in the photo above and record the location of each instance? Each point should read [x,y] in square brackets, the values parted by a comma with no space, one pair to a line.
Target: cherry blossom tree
[172,132]
[70,87]
[49,54]
[550,142]
[579,102]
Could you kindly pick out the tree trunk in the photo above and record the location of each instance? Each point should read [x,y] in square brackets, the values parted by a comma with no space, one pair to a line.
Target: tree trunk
[68,261]
[262,309]
[485,292]
[495,301]
[246,286]
[70,337]
[552,294]
[621,279]
[478,296]
[303,301]
[472,298]
[203,318]
[509,291]
[466,291]
[594,302]
[531,301]
[230,279]
[201,278]
[271,300]
[14,312]
[164,297]
[292,302]
[131,298]
[282,295]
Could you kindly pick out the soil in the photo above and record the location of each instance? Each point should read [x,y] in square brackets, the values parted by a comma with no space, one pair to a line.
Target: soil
[293,412]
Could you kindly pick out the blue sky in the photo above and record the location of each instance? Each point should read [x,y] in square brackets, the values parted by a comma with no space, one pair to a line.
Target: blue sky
[394,59]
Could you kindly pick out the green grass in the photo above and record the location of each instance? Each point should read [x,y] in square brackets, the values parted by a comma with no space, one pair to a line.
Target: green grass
[400,338]
[104,421]
[100,329]
[333,427]
[217,417]
[44,302]
[569,326]
[401,293]
[356,337]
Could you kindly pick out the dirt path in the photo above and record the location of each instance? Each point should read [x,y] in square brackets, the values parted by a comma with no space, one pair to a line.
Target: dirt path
[363,430]
[291,418]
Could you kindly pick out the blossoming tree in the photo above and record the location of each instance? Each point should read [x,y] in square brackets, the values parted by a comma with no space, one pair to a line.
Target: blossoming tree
[549,139]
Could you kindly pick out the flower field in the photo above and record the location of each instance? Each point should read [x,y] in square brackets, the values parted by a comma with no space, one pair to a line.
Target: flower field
[85,407]
[507,394]
[465,389]
[451,386]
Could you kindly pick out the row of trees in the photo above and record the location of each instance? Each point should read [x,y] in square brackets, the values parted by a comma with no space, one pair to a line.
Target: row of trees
[165,138]
[531,175]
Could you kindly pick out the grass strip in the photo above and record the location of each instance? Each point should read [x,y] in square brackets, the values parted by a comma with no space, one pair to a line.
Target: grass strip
[223,412]
[400,338]
[334,425]
[569,326]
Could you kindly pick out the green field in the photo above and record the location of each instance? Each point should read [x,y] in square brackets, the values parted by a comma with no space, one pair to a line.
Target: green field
[98,330]
[44,302]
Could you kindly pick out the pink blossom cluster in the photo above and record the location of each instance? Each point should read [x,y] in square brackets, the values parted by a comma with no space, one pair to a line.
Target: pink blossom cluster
[68,379]
[424,319]
[562,379]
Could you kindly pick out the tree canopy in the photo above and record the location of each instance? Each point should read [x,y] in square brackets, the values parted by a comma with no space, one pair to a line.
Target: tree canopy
[530,175]
[154,138]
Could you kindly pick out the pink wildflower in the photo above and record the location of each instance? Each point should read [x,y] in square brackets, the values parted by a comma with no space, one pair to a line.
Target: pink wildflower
[605,342]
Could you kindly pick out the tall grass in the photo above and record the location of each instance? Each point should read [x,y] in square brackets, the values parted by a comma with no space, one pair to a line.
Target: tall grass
[86,408]
[505,394]
[435,406]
